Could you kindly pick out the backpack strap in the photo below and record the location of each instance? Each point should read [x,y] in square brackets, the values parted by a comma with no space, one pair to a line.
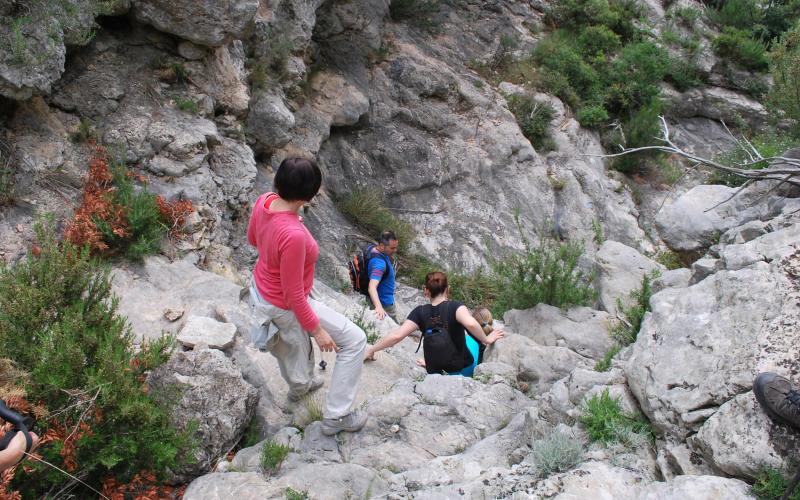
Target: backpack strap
[369,255]
[428,321]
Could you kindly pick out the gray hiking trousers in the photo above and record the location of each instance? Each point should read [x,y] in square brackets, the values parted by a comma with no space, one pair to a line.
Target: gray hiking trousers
[291,346]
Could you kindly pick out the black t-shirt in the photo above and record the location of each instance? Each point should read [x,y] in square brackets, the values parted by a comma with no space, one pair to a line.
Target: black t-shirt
[425,315]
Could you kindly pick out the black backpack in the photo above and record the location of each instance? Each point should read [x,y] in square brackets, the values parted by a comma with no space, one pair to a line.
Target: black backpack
[441,354]
[359,269]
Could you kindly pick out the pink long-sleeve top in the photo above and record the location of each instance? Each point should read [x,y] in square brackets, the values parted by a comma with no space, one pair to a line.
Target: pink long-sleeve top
[287,255]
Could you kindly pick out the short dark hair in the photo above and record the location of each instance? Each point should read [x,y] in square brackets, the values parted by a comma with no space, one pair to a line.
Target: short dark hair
[297,179]
[436,283]
[387,237]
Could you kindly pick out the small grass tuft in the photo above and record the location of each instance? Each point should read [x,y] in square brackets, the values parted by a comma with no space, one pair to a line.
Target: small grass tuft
[368,326]
[603,365]
[556,453]
[604,421]
[631,317]
[366,209]
[534,119]
[669,259]
[771,484]
[293,494]
[85,132]
[187,105]
[272,455]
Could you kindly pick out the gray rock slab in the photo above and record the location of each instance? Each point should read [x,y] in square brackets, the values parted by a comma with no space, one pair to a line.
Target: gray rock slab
[209,23]
[209,331]
[620,270]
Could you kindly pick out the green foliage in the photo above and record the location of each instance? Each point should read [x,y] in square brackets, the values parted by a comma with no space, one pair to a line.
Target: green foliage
[368,326]
[740,14]
[19,45]
[547,273]
[313,408]
[59,323]
[689,15]
[683,74]
[365,208]
[179,71]
[617,15]
[642,129]
[627,329]
[669,259]
[187,105]
[534,119]
[597,229]
[784,97]
[272,455]
[604,421]
[565,73]
[738,45]
[84,133]
[597,42]
[770,143]
[292,494]
[603,365]
[634,77]
[557,452]
[771,484]
[592,115]
[6,177]
[252,434]
[474,289]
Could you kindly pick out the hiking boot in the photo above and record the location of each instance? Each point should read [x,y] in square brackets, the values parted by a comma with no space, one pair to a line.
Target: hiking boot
[316,383]
[352,422]
[779,398]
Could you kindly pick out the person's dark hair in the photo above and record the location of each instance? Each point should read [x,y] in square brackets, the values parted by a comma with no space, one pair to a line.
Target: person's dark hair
[436,283]
[387,237]
[297,179]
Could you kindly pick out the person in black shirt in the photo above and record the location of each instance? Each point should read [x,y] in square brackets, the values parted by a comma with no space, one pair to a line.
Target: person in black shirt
[452,315]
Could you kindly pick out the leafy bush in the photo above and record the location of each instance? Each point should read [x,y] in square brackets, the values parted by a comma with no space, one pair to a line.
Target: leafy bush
[616,15]
[187,105]
[737,45]
[604,421]
[771,143]
[556,453]
[272,455]
[683,74]
[547,273]
[85,132]
[627,329]
[771,484]
[597,42]
[292,494]
[59,323]
[740,14]
[115,215]
[368,326]
[592,115]
[633,79]
[534,119]
[669,259]
[365,208]
[784,97]
[6,176]
[569,76]
[642,129]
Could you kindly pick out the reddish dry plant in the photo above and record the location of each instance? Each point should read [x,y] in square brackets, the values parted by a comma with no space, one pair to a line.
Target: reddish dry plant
[143,486]
[98,204]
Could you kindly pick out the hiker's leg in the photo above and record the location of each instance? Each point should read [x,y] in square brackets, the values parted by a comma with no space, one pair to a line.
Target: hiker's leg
[352,342]
[292,349]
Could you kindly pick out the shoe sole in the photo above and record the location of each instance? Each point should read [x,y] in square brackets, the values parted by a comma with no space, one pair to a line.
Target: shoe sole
[758,390]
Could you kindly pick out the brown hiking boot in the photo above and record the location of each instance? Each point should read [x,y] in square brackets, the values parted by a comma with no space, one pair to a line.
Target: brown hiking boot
[779,398]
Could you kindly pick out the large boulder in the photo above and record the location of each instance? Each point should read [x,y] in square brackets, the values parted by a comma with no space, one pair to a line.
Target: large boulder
[269,121]
[32,58]
[204,22]
[205,393]
[620,270]
[581,329]
[699,350]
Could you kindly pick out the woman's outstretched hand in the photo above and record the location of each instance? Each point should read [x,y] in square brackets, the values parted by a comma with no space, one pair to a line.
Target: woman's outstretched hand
[495,336]
[369,354]
[324,340]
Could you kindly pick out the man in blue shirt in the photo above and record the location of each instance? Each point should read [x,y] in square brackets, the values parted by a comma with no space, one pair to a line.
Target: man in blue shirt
[381,276]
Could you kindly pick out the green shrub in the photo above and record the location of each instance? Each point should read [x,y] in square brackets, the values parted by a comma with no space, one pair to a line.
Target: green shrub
[604,364]
[592,115]
[179,71]
[604,421]
[187,105]
[59,323]
[84,133]
[771,484]
[784,97]
[633,80]
[547,273]
[272,455]
[689,15]
[616,15]
[669,259]
[597,42]
[738,46]
[534,119]
[292,494]
[368,326]
[742,14]
[252,434]
[683,74]
[6,176]
[557,452]
[643,129]
[771,143]
[627,329]
[365,208]
[569,74]
[473,289]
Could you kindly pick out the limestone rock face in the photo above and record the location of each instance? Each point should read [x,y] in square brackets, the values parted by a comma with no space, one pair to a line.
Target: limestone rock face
[208,331]
[35,63]
[210,23]
[620,271]
[270,121]
[205,389]
[580,329]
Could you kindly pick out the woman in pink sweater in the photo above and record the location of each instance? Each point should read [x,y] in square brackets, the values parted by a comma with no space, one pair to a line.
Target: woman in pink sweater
[282,280]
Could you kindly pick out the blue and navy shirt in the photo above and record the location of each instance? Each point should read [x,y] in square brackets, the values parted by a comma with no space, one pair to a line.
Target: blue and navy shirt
[377,268]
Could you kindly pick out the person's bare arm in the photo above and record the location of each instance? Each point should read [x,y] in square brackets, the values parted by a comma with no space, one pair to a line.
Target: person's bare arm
[376,301]
[407,328]
[465,318]
[15,450]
